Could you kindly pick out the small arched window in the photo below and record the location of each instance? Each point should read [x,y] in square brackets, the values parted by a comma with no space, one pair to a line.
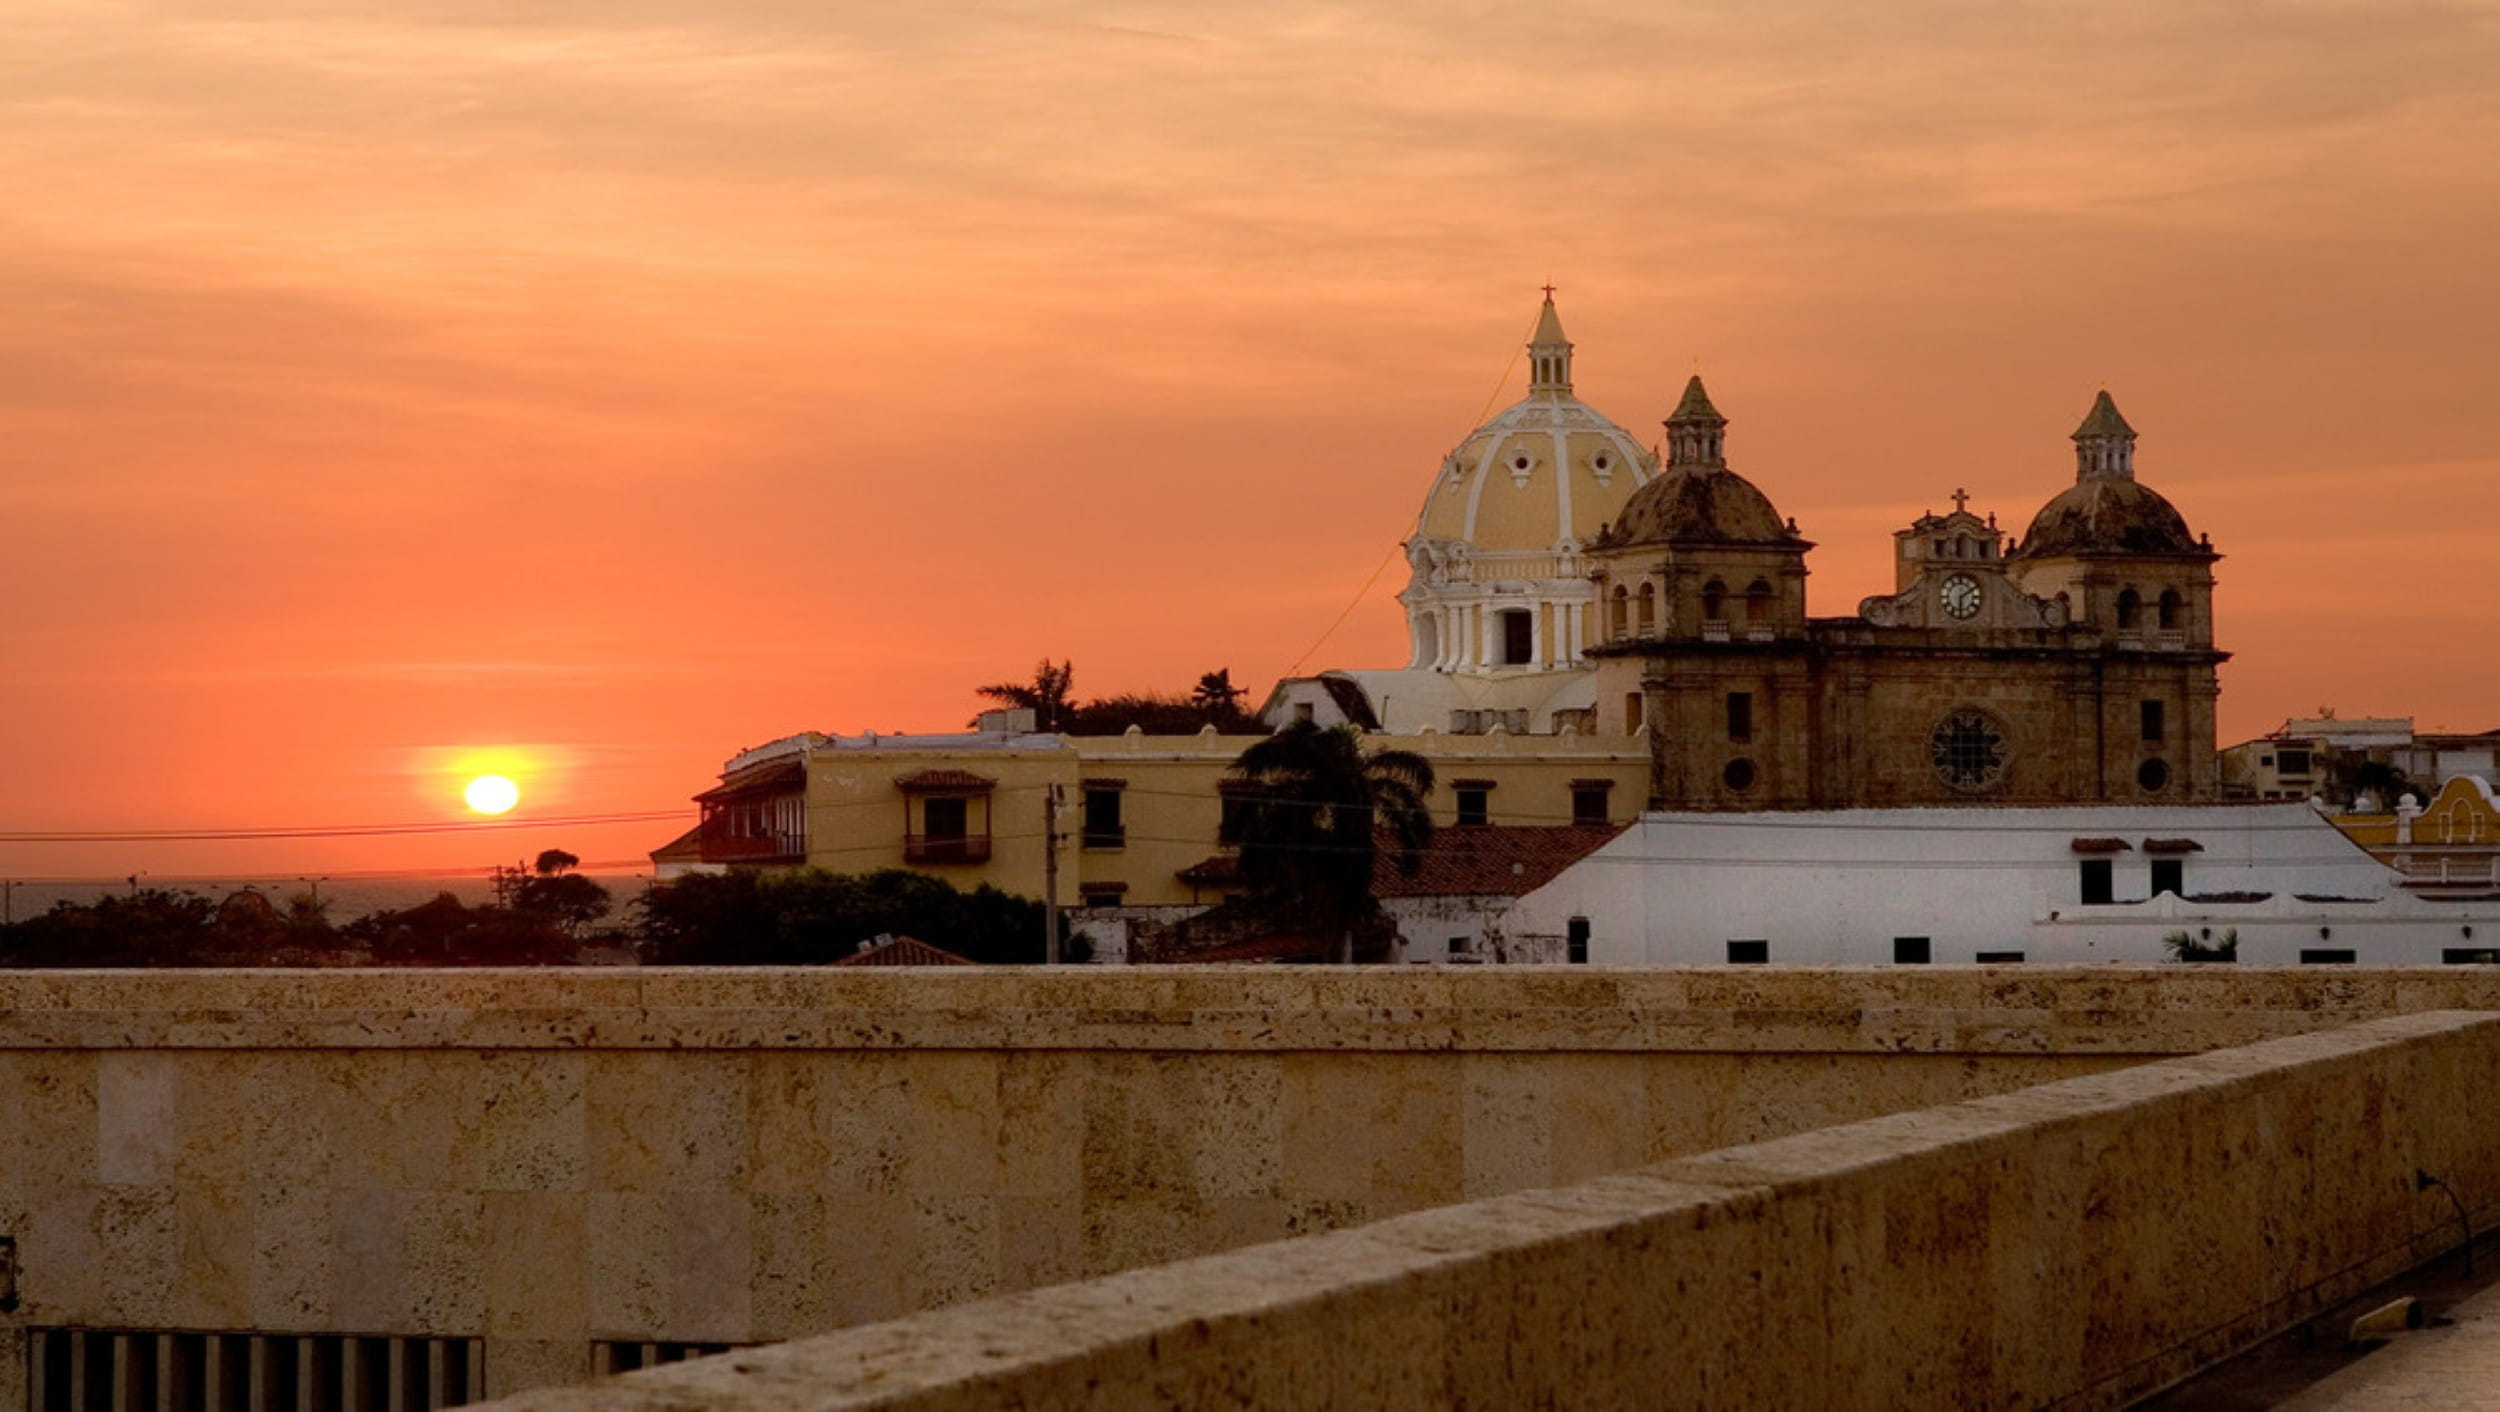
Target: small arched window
[1758,602]
[1714,600]
[2169,609]
[2130,609]
[1649,611]
[1623,613]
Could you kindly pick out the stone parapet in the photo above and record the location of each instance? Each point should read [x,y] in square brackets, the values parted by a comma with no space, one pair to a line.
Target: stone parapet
[2074,1245]
[547,1161]
[2137,1010]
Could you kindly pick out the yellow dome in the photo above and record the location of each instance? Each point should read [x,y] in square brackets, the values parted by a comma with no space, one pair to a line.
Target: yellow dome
[1548,472]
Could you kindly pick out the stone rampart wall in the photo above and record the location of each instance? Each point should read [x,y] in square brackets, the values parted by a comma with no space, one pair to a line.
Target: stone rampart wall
[544,1159]
[2076,1245]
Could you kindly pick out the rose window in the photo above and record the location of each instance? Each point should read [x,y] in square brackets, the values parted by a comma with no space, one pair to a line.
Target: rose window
[1968,750]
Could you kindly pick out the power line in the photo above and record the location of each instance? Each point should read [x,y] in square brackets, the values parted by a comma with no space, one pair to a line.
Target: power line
[1356,602]
[212,835]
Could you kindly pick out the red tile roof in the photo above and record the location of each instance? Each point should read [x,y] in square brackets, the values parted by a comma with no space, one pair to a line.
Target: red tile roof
[786,773]
[1468,860]
[1279,950]
[1501,860]
[686,847]
[1221,870]
[904,951]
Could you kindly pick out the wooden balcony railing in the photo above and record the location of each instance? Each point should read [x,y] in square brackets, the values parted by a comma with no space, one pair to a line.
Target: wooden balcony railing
[946,848]
[751,849]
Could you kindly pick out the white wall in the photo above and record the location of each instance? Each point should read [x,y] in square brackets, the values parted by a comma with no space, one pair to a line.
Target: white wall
[1837,887]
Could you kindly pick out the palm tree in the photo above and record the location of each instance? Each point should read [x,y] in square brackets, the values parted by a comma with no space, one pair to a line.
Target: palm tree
[1216,694]
[1046,696]
[1318,808]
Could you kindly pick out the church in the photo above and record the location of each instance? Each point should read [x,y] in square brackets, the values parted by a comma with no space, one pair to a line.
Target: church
[1567,581]
[1600,632]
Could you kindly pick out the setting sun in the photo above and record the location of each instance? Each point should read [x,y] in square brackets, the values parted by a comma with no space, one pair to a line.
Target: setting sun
[492,794]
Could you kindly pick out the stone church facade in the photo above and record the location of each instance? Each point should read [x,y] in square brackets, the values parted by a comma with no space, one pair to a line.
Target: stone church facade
[2073,665]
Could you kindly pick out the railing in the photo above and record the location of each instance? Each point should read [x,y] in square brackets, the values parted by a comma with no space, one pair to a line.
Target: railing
[1115,836]
[1760,632]
[751,849]
[1714,630]
[2169,641]
[946,848]
[78,1370]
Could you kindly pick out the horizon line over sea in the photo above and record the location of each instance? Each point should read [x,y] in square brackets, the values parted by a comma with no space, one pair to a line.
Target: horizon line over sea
[349,896]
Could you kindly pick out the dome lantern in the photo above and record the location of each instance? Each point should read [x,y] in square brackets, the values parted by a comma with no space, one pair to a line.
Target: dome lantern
[1549,353]
[1696,433]
[2104,444]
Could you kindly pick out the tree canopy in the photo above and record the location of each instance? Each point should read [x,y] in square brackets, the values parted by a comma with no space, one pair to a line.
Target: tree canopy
[812,917]
[1318,807]
[1050,696]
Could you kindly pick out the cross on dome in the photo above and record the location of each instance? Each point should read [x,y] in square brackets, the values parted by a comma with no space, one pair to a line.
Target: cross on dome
[1961,501]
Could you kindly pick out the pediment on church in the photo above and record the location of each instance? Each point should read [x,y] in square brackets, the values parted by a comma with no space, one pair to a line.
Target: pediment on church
[1976,599]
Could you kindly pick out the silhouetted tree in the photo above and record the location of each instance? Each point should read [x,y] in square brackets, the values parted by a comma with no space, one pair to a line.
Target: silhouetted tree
[1318,807]
[812,917]
[551,889]
[1047,696]
[1216,693]
[445,932]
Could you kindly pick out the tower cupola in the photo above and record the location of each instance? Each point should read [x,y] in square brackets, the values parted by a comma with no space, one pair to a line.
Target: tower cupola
[1696,433]
[1549,353]
[2104,444]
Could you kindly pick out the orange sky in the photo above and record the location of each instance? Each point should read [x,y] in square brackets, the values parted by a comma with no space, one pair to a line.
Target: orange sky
[642,381]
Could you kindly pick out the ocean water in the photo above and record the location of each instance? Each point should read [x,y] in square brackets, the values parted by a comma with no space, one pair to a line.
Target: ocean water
[349,898]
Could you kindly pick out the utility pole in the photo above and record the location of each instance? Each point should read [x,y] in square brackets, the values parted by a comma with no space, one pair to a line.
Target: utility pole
[1050,875]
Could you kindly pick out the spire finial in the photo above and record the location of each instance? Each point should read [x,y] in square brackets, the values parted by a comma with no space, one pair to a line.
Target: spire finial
[1549,353]
[1548,287]
[1961,501]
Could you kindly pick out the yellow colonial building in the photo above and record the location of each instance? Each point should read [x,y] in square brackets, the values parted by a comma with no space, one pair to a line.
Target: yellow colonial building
[1138,820]
[2449,846]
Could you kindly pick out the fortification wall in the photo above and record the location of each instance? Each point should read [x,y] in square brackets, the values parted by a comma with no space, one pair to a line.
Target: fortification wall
[546,1160]
[2076,1245]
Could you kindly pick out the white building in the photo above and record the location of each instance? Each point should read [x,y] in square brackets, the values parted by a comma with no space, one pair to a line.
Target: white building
[2045,886]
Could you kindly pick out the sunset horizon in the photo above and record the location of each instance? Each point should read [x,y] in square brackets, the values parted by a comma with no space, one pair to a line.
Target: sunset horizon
[407,396]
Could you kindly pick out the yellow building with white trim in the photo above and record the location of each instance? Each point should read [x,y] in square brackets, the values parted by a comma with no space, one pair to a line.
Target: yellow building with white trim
[1136,817]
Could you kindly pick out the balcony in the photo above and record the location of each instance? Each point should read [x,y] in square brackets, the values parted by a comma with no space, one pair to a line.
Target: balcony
[1104,836]
[752,849]
[946,848]
[1714,630]
[1761,632]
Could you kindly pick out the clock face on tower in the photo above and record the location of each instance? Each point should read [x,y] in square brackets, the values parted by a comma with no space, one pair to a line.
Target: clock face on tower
[1961,595]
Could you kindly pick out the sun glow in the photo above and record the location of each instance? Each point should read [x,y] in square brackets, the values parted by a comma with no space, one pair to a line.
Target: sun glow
[492,794]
